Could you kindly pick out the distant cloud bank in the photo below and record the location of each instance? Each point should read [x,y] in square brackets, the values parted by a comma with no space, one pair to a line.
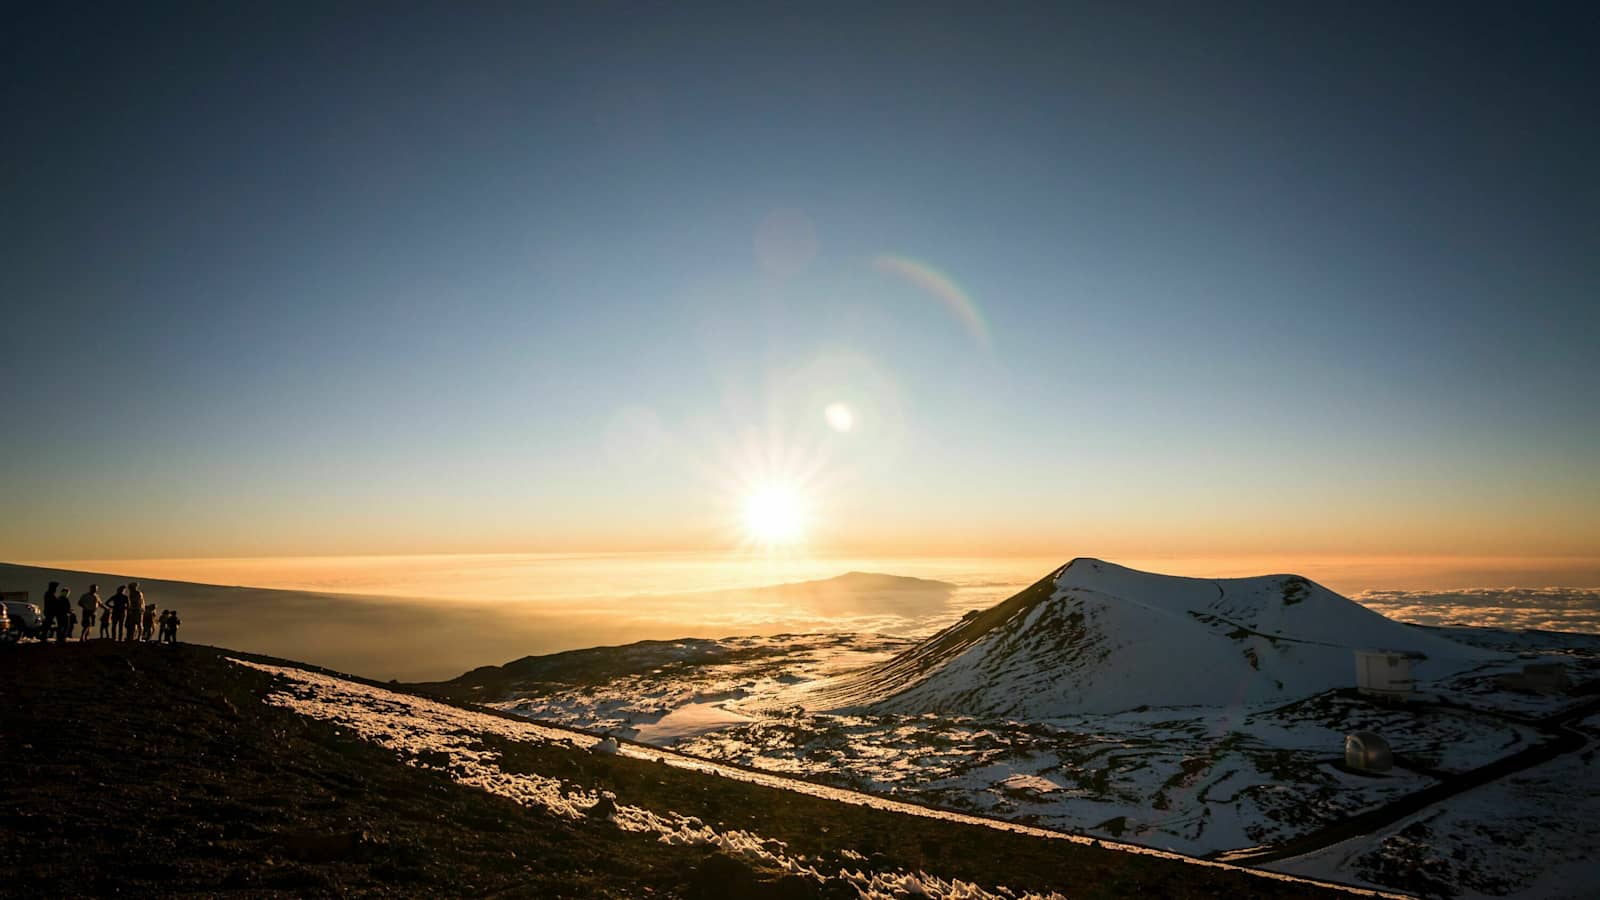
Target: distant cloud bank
[1549,609]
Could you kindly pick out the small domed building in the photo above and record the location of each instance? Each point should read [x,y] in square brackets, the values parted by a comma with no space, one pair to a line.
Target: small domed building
[1365,751]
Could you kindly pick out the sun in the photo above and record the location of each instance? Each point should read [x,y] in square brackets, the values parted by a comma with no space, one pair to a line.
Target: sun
[774,515]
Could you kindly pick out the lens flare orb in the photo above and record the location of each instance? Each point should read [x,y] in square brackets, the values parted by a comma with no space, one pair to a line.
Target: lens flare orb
[841,418]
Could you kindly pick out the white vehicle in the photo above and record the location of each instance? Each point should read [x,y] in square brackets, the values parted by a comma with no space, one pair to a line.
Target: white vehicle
[26,619]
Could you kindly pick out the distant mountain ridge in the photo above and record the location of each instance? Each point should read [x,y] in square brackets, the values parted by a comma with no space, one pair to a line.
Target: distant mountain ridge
[1097,637]
[853,593]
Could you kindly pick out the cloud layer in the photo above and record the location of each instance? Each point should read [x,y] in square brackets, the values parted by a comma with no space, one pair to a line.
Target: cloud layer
[1549,609]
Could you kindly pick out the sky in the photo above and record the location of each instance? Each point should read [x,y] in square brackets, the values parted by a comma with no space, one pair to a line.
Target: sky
[1103,279]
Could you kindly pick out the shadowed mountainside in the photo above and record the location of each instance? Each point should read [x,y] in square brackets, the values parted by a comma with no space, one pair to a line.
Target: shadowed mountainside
[380,637]
[591,665]
[417,639]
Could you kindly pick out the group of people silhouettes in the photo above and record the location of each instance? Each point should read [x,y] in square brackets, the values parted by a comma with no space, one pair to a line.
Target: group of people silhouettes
[124,617]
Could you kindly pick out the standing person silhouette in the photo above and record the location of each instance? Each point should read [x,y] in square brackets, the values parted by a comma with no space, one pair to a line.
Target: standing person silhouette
[64,616]
[90,604]
[147,630]
[135,610]
[49,605]
[119,611]
[170,629]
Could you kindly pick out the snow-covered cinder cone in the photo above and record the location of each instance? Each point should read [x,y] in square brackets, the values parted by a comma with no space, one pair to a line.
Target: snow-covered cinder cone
[1094,637]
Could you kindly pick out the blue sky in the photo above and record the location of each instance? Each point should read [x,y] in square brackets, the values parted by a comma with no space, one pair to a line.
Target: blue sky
[399,278]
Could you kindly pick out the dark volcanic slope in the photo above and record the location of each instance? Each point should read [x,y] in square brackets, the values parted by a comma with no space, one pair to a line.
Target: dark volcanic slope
[592,665]
[150,770]
[144,769]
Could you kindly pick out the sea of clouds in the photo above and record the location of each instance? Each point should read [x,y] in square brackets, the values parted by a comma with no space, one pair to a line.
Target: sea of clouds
[1547,609]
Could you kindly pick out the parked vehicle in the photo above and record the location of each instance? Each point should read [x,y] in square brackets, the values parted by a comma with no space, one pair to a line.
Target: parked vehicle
[26,619]
[6,635]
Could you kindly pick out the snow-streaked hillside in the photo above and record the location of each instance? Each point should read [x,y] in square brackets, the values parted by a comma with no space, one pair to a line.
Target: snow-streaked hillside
[1248,684]
[1097,637]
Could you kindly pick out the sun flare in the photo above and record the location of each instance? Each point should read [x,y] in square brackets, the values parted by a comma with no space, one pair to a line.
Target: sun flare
[774,515]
